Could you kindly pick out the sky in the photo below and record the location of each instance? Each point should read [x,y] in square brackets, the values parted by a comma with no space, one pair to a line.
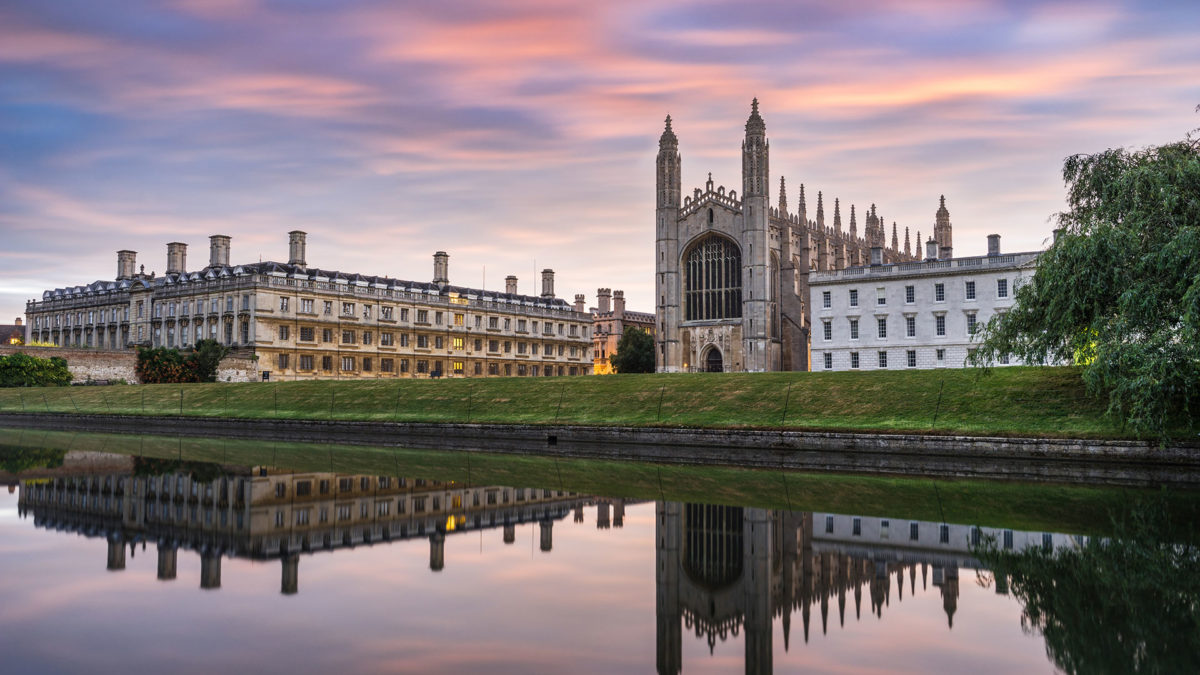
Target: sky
[521,135]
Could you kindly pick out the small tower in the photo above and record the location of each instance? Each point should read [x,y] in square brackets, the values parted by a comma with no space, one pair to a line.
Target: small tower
[907,244]
[441,268]
[296,244]
[782,198]
[853,225]
[802,208]
[757,297]
[667,171]
[895,237]
[820,212]
[941,227]
[837,216]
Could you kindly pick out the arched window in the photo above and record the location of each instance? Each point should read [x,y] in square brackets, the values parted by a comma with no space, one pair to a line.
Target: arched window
[713,280]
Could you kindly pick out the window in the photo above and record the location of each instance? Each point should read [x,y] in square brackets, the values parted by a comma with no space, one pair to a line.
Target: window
[347,363]
[387,365]
[423,341]
[882,323]
[306,362]
[366,311]
[478,345]
[327,363]
[404,339]
[493,345]
[283,304]
[854,359]
[387,339]
[460,319]
[457,366]
[826,299]
[306,305]
[912,358]
[422,366]
[348,337]
[944,534]
[520,325]
[284,332]
[366,337]
[939,292]
[910,326]
[283,361]
[404,314]
[1002,288]
[493,322]
[326,335]
[348,309]
[941,355]
[883,359]
[437,318]
[970,290]
[914,531]
[910,294]
[385,313]
[856,527]
[307,333]
[971,323]
[457,343]
[880,296]
[438,342]
[828,524]
[712,280]
[366,364]
[404,365]
[422,316]
[827,328]
[853,329]
[508,347]
[940,328]
[328,307]
[854,297]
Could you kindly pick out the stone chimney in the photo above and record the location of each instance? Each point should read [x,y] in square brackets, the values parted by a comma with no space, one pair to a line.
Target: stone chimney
[993,245]
[17,321]
[946,253]
[441,267]
[604,300]
[510,285]
[876,256]
[618,304]
[176,257]
[931,249]
[547,283]
[296,244]
[218,250]
[580,303]
[126,264]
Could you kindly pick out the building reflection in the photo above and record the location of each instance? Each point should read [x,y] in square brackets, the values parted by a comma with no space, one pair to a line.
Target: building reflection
[726,571]
[265,513]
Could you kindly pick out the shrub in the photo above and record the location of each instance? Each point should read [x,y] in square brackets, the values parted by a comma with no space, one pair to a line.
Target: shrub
[23,370]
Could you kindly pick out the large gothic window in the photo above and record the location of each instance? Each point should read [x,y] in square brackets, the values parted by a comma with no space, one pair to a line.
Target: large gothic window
[713,280]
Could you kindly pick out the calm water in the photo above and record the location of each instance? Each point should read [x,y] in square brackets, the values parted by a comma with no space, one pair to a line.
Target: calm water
[112,563]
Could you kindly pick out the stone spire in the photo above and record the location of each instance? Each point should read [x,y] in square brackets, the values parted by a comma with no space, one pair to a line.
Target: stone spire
[820,212]
[837,216]
[755,154]
[853,224]
[782,197]
[907,243]
[668,169]
[941,228]
[755,124]
[803,207]
[895,238]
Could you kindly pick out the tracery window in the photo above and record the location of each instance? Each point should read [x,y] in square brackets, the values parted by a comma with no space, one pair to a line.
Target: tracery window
[713,280]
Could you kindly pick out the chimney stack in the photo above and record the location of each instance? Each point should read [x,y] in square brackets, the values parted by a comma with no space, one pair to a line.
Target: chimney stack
[17,321]
[176,257]
[580,303]
[547,283]
[296,244]
[510,285]
[218,250]
[126,264]
[603,300]
[618,304]
[946,253]
[993,245]
[876,256]
[441,267]
[931,249]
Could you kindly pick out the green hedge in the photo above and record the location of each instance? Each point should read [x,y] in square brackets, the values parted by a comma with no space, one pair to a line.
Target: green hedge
[23,370]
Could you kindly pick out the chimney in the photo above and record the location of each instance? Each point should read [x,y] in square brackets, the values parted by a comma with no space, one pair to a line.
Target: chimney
[876,256]
[176,257]
[946,253]
[618,304]
[510,285]
[441,267]
[547,283]
[126,264]
[580,303]
[296,243]
[603,300]
[931,249]
[993,245]
[218,250]
[17,321]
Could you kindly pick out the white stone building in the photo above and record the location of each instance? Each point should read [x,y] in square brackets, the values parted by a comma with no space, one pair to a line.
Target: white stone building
[912,314]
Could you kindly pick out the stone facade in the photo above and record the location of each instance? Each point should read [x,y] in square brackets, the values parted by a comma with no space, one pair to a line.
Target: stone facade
[309,323]
[732,271]
[609,321]
[912,315]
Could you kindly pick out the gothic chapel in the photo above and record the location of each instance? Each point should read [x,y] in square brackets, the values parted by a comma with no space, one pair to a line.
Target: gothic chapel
[732,271]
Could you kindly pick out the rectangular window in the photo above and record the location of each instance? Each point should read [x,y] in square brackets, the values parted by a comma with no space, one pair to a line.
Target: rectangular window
[284,332]
[438,342]
[283,361]
[853,329]
[854,297]
[460,319]
[493,345]
[478,345]
[970,290]
[348,309]
[404,314]
[520,325]
[307,333]
[385,313]
[366,337]
[457,343]
[828,361]
[404,365]
[366,364]
[347,363]
[283,304]
[880,296]
[457,367]
[306,305]
[493,322]
[306,363]
[348,337]
[939,292]
[387,339]
[941,355]
[245,301]
[827,328]
[386,365]
[366,311]
[1002,288]
[404,339]
[910,326]
[328,307]
[437,318]
[327,363]
[971,323]
[856,527]
[914,531]
[910,294]
[422,366]
[944,534]
[422,316]
[828,524]
[423,341]
[326,335]
[854,359]
[912,358]
[940,329]
[826,299]
[883,359]
[882,323]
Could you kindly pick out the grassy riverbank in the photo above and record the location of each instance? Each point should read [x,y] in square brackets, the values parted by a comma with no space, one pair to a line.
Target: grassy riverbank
[1017,401]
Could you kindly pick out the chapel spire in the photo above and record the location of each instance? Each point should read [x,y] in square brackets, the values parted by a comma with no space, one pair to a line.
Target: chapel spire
[802,208]
[853,225]
[782,197]
[895,238]
[837,216]
[755,154]
[941,228]
[820,212]
[668,173]
[907,243]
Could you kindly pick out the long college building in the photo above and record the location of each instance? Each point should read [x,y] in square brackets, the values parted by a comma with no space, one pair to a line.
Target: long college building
[305,323]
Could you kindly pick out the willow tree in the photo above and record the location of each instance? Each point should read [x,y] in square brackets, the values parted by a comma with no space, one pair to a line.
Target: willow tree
[1118,291]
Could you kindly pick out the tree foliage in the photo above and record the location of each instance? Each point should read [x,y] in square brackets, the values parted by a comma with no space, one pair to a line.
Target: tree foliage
[1119,290]
[163,365]
[635,352]
[23,370]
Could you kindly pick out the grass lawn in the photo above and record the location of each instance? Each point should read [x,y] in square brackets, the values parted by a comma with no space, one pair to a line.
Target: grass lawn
[1013,401]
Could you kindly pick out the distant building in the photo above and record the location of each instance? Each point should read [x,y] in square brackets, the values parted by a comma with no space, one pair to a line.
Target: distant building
[911,314]
[13,334]
[609,321]
[307,323]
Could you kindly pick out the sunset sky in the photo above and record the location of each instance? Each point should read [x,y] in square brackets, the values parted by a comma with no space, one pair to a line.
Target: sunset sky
[521,134]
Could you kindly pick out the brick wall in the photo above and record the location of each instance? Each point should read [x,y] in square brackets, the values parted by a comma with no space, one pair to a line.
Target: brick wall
[99,364]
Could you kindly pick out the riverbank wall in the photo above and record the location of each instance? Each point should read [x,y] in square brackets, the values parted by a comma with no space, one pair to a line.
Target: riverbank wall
[110,365]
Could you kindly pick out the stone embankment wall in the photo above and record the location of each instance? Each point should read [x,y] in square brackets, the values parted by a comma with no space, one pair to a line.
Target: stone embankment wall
[101,364]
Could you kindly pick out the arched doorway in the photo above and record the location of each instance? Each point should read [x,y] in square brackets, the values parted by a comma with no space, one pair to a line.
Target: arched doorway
[712,361]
